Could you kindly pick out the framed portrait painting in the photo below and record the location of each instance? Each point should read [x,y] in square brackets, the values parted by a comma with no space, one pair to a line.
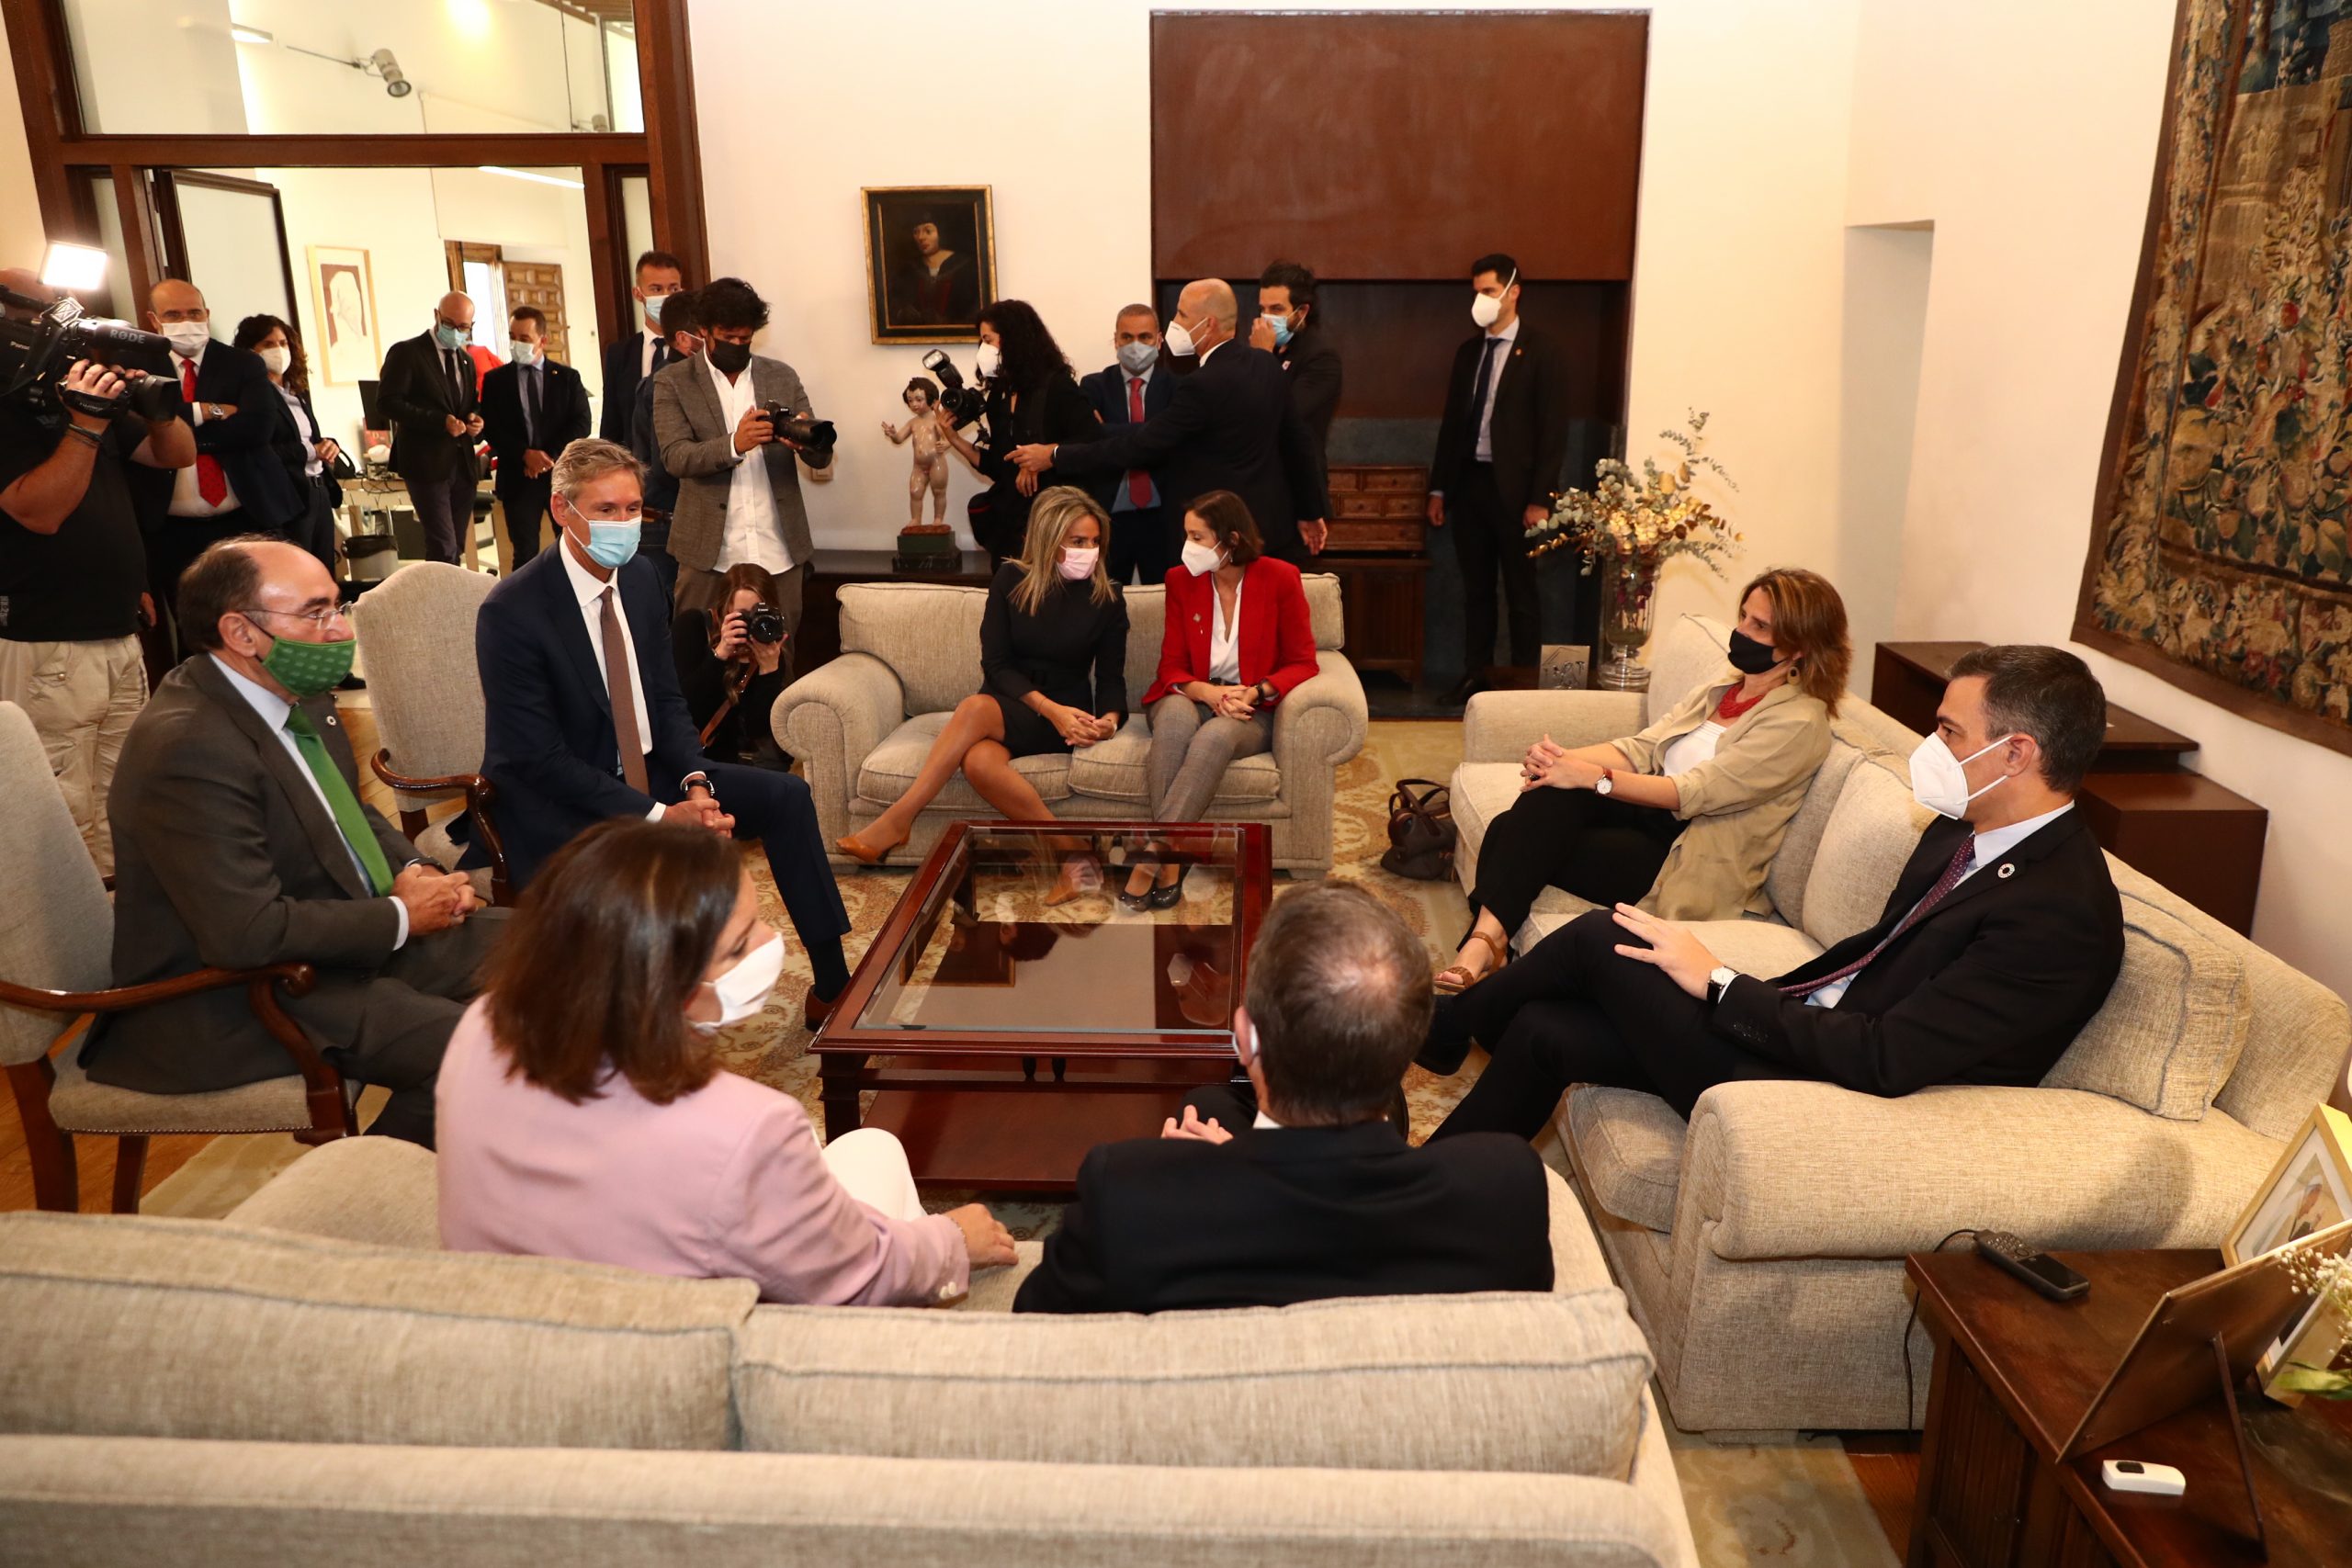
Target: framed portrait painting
[346,344]
[930,261]
[2308,1190]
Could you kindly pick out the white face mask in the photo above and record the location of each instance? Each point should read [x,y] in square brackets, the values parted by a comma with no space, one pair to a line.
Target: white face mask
[1940,780]
[1488,309]
[278,358]
[189,337]
[526,353]
[985,361]
[1179,339]
[744,990]
[1201,560]
[1078,562]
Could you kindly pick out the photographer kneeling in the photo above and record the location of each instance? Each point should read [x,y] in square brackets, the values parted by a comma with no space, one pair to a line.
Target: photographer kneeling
[731,667]
[73,569]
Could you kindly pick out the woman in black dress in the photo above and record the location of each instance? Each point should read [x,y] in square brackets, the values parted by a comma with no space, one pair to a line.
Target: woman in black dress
[729,675]
[1053,676]
[1031,397]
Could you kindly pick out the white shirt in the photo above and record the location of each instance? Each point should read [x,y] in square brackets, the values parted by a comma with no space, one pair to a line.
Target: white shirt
[273,710]
[1504,338]
[1685,753]
[1225,639]
[591,594]
[304,428]
[752,534]
[1990,847]
[651,345]
[187,495]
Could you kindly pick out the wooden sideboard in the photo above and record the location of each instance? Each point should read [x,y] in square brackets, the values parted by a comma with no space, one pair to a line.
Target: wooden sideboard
[1376,550]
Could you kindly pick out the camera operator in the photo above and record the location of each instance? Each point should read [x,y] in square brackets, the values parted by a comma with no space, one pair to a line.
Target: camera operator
[1033,399]
[731,667]
[73,571]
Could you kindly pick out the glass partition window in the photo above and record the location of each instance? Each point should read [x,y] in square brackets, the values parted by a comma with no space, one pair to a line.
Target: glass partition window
[338,67]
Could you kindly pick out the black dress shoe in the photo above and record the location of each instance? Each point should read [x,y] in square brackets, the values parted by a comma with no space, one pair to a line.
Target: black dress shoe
[1464,689]
[1446,1049]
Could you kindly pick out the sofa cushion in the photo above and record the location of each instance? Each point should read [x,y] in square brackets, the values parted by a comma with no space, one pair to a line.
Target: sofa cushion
[189,1328]
[1762,948]
[1495,1382]
[1784,879]
[891,767]
[384,1192]
[1864,847]
[1629,1147]
[2174,1024]
[1114,769]
[928,633]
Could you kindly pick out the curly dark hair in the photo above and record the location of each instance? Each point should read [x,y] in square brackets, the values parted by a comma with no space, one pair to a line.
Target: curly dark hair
[732,303]
[1027,355]
[253,328]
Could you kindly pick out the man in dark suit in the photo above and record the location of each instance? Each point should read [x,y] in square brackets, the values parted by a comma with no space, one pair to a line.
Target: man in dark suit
[1287,328]
[1144,540]
[1499,450]
[583,720]
[637,356]
[239,840]
[1230,426]
[532,408]
[240,483]
[1316,1194]
[429,393]
[1998,944]
[682,334]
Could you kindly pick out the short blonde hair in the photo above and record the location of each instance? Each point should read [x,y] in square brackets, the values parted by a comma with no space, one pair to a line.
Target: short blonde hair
[1050,521]
[588,459]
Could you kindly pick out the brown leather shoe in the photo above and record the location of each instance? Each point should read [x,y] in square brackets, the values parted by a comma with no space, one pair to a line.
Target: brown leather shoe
[815,1009]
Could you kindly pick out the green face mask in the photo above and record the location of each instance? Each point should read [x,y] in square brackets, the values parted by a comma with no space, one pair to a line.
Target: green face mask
[306,669]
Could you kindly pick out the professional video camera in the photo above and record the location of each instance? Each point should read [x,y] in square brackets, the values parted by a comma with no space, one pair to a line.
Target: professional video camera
[816,435]
[961,404]
[62,334]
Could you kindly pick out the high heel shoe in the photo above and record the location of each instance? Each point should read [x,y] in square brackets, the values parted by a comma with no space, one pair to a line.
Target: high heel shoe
[864,856]
[1168,897]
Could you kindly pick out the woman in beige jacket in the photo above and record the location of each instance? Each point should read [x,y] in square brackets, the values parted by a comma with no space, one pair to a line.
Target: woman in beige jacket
[1685,817]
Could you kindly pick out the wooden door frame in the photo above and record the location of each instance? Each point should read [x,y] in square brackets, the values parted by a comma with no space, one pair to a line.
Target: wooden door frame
[667,150]
[175,234]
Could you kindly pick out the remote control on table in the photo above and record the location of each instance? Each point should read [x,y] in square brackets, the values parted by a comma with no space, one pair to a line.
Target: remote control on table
[2038,1269]
[2137,1476]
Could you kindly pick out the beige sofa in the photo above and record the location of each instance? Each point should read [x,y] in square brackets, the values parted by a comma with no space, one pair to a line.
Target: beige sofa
[910,652]
[309,1380]
[1760,1245]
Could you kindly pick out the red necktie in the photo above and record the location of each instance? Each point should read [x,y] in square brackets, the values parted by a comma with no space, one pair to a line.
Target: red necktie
[1936,894]
[1139,483]
[210,482]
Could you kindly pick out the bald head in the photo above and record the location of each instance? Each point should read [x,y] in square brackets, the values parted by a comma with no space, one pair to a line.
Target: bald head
[173,300]
[455,310]
[242,593]
[1213,297]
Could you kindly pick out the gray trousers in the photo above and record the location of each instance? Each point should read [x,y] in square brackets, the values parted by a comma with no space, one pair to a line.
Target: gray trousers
[1190,750]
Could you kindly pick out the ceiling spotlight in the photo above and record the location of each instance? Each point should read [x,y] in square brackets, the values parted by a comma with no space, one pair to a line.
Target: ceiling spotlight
[396,81]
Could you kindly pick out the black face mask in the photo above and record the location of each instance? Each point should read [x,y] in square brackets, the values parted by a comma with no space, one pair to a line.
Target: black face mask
[1751,657]
[731,358]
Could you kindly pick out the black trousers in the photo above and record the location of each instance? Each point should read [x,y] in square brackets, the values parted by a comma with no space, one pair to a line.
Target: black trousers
[393,1029]
[1574,1010]
[526,502]
[445,509]
[1600,849]
[1490,538]
[1141,543]
[315,533]
[778,810]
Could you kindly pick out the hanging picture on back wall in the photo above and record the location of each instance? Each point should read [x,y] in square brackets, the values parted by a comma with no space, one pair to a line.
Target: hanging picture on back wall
[2218,555]
[345,339]
[930,262]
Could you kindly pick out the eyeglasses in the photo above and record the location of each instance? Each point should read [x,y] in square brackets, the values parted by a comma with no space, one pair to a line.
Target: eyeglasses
[318,618]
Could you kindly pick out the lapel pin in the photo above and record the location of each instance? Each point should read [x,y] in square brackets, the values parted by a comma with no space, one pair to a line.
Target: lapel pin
[2007,870]
[330,719]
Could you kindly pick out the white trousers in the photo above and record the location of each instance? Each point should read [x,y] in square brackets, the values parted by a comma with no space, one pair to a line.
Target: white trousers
[81,697]
[871,1166]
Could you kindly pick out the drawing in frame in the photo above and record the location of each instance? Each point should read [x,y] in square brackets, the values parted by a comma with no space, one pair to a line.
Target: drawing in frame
[2309,1189]
[930,262]
[349,339]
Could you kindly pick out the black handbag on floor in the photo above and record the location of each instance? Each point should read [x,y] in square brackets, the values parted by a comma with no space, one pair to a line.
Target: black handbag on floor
[1421,832]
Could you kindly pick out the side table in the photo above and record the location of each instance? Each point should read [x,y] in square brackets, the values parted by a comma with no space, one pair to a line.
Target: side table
[2013,1375]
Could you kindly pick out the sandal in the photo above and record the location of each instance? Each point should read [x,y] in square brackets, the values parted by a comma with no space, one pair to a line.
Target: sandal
[1455,978]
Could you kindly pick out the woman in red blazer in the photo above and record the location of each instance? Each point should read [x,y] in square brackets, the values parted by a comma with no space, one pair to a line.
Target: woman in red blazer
[1237,639]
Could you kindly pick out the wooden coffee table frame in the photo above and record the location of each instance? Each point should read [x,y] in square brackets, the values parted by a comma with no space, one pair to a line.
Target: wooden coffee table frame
[1004,1111]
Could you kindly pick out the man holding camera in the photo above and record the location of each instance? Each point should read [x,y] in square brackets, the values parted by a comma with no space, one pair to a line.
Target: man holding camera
[73,571]
[715,417]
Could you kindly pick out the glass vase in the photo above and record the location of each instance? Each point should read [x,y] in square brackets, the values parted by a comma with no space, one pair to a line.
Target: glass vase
[1628,615]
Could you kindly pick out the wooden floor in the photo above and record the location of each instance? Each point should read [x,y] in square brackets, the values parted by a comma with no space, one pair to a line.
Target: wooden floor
[1887,1464]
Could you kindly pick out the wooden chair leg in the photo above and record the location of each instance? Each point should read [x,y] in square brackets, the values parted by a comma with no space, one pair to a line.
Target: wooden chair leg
[412,824]
[56,1183]
[129,1171]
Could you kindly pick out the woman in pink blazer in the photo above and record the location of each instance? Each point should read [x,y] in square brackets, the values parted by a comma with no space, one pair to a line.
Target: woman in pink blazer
[1237,639]
[583,1114]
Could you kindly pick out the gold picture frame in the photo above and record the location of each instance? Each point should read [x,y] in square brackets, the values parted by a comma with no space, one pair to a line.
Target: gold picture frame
[348,345]
[911,296]
[2308,1190]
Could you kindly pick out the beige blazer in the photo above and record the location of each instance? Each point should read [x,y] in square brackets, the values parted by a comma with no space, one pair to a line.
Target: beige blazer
[698,448]
[1737,803]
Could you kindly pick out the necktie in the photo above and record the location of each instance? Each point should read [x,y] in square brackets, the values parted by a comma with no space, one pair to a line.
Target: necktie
[457,382]
[620,687]
[1139,483]
[1960,859]
[348,818]
[1478,393]
[661,353]
[210,482]
[531,406]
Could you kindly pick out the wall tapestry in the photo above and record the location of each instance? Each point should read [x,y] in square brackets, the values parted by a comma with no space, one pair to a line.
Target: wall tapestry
[2218,555]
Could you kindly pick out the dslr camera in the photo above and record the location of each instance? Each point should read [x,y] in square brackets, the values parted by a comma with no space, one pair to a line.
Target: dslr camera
[47,345]
[961,404]
[815,436]
[764,623]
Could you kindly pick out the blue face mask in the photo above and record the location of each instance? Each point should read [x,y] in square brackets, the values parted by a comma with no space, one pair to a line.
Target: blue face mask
[452,337]
[1138,358]
[610,545]
[1281,325]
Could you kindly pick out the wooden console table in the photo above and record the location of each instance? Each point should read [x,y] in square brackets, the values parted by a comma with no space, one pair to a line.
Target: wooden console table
[1377,551]
[2013,1375]
[2199,839]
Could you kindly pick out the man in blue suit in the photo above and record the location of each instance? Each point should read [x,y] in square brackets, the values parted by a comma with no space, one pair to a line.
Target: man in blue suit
[1144,540]
[582,726]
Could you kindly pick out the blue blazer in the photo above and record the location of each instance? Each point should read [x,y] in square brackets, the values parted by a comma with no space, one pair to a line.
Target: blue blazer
[548,740]
[1107,390]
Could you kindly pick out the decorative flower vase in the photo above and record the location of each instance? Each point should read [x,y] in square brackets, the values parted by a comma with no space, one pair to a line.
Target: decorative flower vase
[1628,613]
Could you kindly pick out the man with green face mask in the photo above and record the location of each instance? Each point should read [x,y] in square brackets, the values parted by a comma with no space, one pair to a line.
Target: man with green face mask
[241,841]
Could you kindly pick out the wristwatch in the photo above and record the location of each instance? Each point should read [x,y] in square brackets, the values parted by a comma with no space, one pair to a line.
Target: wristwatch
[1606,784]
[701,782]
[1719,981]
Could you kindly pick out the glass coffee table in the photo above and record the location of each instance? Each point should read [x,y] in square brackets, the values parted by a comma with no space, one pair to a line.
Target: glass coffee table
[1002,1038]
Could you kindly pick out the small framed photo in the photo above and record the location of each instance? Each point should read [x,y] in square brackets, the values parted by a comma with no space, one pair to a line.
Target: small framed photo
[1564,667]
[2309,1189]
[2314,1340]
[930,262]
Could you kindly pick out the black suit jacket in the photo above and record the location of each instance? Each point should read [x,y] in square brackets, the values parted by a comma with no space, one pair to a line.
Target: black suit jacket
[622,362]
[1106,390]
[1990,986]
[1293,1214]
[547,738]
[1529,433]
[564,415]
[1312,367]
[416,396]
[252,445]
[1228,425]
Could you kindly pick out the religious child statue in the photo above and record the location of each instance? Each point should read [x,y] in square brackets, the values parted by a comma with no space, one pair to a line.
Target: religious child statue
[924,546]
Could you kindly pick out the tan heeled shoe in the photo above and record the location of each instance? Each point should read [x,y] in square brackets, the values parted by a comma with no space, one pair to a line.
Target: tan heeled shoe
[1456,978]
[864,856]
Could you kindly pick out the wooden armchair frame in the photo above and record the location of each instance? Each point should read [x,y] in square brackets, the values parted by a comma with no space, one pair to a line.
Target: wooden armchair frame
[56,1180]
[479,794]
